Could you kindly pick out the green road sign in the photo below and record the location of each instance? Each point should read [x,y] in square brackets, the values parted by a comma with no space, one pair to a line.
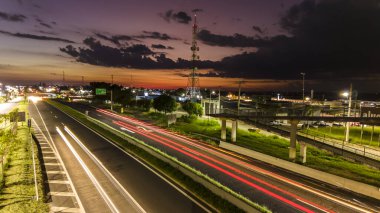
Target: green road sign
[100,91]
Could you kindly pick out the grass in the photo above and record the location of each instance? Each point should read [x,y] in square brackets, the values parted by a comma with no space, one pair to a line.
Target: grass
[174,174]
[18,192]
[18,189]
[278,147]
[339,134]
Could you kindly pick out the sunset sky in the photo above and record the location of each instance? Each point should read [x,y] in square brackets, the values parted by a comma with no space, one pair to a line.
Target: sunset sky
[266,43]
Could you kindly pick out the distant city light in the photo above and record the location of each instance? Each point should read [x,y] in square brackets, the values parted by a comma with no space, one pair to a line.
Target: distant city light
[345,94]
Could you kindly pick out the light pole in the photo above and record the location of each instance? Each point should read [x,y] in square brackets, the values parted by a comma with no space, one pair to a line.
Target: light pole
[303,86]
[348,114]
[209,104]
[111,92]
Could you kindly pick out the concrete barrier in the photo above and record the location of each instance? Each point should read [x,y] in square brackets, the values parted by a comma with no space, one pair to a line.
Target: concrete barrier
[355,186]
[211,186]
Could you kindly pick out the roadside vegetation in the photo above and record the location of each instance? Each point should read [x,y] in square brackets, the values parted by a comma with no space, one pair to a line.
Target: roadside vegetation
[198,190]
[338,133]
[17,189]
[209,131]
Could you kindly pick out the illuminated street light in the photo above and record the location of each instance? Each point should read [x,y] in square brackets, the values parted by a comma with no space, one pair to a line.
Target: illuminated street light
[345,94]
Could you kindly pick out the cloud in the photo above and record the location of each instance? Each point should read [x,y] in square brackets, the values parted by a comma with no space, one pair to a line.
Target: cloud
[35,37]
[160,46]
[197,10]
[12,17]
[258,29]
[42,23]
[155,35]
[325,39]
[135,56]
[179,17]
[236,40]
[116,39]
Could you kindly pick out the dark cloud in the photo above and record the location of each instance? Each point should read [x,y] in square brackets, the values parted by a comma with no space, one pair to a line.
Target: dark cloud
[197,10]
[236,40]
[35,37]
[116,39]
[12,17]
[155,35]
[160,46]
[42,23]
[326,39]
[180,17]
[257,29]
[135,56]
[46,32]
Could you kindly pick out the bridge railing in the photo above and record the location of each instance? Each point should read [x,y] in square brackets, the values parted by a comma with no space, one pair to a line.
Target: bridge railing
[366,151]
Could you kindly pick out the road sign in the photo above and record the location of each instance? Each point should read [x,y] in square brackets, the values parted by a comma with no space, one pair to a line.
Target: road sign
[100,91]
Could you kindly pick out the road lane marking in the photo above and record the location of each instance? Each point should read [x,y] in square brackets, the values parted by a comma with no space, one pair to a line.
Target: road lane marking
[55,172]
[52,164]
[63,194]
[99,163]
[64,209]
[51,143]
[58,181]
[125,129]
[100,189]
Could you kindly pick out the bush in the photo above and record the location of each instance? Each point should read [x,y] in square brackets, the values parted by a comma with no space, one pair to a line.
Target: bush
[192,108]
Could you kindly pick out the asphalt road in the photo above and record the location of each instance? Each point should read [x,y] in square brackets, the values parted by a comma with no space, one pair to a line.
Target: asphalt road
[129,186]
[278,189]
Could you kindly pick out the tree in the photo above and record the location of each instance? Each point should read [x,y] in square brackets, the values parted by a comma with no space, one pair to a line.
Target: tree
[192,108]
[164,103]
[144,104]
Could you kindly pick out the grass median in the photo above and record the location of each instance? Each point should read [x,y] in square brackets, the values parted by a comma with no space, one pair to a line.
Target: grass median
[278,147]
[197,189]
[17,193]
[338,133]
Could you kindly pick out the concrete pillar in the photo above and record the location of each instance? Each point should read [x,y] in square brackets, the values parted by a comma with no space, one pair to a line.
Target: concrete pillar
[233,131]
[303,149]
[204,108]
[293,140]
[223,135]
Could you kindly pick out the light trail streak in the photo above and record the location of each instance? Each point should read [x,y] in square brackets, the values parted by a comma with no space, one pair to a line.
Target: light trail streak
[289,202]
[97,185]
[216,151]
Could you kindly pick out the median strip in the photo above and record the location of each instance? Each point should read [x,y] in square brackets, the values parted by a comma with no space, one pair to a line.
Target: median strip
[200,185]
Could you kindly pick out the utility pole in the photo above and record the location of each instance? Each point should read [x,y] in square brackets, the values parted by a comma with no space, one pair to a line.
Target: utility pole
[303,86]
[238,106]
[82,80]
[219,100]
[63,77]
[347,138]
[111,92]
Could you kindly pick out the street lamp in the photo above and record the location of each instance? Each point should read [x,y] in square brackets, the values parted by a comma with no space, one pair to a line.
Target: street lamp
[209,104]
[349,95]
[303,86]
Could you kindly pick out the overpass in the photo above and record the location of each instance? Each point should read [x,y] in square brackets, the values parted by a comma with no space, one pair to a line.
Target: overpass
[292,119]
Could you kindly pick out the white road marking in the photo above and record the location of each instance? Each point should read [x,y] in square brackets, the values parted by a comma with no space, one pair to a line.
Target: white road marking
[125,129]
[65,194]
[59,157]
[97,185]
[136,204]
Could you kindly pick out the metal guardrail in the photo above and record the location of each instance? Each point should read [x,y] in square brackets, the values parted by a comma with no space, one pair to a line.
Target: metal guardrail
[363,151]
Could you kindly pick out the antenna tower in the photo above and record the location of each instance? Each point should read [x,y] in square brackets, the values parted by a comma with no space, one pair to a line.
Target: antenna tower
[192,90]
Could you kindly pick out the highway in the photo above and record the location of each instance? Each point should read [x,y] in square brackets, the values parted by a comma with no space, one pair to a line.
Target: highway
[278,189]
[107,179]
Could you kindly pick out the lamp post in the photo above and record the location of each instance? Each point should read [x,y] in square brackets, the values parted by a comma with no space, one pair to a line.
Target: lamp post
[209,104]
[348,114]
[303,86]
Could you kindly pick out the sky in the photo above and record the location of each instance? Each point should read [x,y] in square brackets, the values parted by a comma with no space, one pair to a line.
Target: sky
[146,43]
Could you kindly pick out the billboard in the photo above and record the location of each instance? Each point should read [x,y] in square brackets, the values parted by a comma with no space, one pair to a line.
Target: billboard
[100,91]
